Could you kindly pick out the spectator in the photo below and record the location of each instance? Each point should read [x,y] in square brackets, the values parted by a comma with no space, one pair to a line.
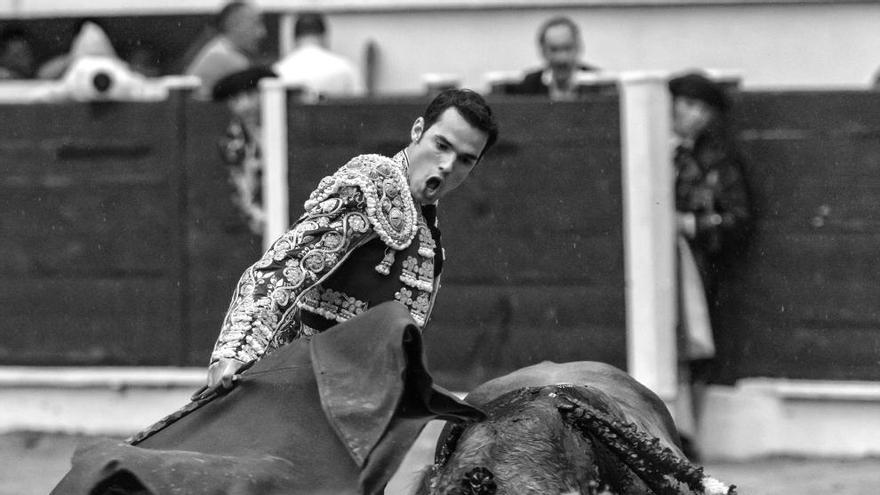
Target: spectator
[713,211]
[92,71]
[16,54]
[90,40]
[235,47]
[560,42]
[144,58]
[240,148]
[313,66]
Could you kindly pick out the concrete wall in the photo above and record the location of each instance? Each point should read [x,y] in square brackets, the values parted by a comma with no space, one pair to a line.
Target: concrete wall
[782,45]
[764,417]
[779,43]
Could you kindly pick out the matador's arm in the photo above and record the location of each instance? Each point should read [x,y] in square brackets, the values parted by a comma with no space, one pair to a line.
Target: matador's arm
[344,212]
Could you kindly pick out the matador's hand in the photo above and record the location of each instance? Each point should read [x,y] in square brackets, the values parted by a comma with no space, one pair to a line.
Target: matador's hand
[221,374]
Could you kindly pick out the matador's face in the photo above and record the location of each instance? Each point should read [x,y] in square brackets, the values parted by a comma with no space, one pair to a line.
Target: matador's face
[443,155]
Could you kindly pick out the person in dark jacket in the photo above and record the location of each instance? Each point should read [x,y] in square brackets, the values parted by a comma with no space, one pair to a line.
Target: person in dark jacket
[713,217]
[559,39]
[711,195]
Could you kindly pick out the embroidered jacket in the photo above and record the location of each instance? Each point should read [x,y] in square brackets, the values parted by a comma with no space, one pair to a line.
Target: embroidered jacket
[361,241]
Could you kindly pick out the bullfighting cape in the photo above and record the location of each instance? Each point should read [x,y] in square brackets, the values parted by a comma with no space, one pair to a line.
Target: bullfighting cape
[362,241]
[334,413]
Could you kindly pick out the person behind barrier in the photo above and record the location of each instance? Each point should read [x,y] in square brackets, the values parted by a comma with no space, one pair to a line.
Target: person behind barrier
[561,46]
[16,54]
[368,235]
[145,58]
[92,71]
[313,66]
[713,215]
[240,147]
[90,39]
[235,46]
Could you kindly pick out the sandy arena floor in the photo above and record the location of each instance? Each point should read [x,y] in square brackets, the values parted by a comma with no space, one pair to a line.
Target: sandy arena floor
[32,463]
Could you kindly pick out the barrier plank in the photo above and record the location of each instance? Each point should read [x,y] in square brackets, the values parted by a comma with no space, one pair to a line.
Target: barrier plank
[90,216]
[804,294]
[88,321]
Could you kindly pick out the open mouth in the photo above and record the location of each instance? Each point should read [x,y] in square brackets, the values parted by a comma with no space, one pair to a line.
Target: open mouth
[432,186]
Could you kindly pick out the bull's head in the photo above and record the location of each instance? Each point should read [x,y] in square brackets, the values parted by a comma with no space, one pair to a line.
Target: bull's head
[561,440]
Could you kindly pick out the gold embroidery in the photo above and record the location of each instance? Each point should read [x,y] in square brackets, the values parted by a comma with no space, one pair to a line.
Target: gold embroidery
[384,266]
[332,304]
[390,207]
[426,241]
[418,307]
[419,276]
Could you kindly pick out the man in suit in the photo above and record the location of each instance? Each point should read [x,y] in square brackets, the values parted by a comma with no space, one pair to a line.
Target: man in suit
[561,47]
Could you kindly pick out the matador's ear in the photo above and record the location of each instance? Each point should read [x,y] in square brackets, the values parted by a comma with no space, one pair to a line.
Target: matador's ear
[417,129]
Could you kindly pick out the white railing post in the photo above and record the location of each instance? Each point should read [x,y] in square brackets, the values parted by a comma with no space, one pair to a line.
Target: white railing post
[273,104]
[285,33]
[649,232]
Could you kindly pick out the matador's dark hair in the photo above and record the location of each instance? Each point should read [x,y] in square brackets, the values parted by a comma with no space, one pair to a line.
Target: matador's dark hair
[471,106]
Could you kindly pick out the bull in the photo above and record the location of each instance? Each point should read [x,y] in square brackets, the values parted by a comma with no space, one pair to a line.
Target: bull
[336,413]
[571,428]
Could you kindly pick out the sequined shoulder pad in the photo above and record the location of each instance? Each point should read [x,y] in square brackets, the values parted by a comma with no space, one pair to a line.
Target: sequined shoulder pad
[390,205]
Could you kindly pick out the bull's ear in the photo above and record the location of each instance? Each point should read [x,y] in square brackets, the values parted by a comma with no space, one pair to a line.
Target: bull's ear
[447,442]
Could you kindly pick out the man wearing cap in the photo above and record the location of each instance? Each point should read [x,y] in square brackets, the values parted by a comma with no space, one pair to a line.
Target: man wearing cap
[713,212]
[368,235]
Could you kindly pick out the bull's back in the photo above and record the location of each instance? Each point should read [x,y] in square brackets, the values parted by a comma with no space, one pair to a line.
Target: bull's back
[637,403]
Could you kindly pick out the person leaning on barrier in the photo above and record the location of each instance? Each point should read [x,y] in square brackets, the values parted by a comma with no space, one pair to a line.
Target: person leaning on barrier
[235,47]
[90,39]
[368,235]
[92,71]
[559,40]
[713,216]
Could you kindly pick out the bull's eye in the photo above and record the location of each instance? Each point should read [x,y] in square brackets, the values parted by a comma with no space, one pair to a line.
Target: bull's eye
[478,481]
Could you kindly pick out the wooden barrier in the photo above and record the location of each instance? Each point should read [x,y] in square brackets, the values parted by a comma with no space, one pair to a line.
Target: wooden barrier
[121,245]
[92,236]
[803,302]
[220,243]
